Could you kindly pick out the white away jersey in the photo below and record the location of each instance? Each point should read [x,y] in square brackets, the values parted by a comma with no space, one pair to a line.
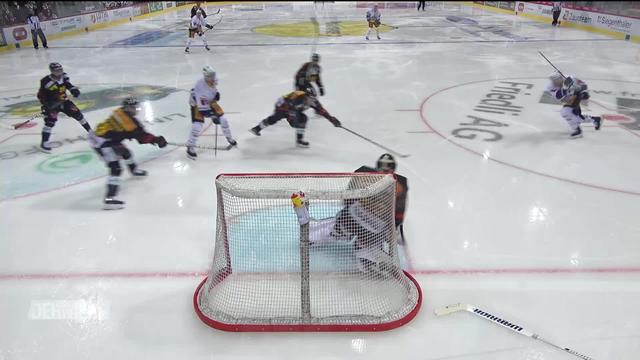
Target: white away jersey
[202,94]
[197,22]
[373,15]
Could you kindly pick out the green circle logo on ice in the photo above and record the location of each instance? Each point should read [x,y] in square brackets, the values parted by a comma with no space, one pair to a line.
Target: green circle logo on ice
[516,123]
[163,111]
[58,164]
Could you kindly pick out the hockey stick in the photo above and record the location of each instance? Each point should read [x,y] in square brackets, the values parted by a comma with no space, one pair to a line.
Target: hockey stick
[223,148]
[446,310]
[215,144]
[391,151]
[316,34]
[550,63]
[214,25]
[23,123]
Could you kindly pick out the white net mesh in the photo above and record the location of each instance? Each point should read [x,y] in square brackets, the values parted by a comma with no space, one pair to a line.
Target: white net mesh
[339,272]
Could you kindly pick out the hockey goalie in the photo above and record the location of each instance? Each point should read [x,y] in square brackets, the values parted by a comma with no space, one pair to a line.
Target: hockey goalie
[367,225]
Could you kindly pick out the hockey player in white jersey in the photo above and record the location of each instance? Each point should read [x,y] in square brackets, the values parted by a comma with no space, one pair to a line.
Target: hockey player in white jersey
[373,18]
[203,101]
[196,27]
[571,91]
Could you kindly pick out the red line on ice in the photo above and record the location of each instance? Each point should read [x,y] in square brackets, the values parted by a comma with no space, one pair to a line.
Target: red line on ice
[200,273]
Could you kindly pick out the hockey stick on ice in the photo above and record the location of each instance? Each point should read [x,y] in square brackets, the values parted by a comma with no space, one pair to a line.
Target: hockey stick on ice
[446,310]
[550,63]
[222,148]
[25,122]
[391,151]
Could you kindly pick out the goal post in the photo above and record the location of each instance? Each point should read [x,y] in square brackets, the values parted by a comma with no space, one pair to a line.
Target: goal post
[306,252]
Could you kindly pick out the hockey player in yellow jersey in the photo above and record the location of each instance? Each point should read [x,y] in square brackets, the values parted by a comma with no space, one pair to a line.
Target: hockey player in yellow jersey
[107,141]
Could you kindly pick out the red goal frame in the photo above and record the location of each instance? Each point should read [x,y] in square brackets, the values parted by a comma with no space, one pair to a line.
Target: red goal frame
[223,273]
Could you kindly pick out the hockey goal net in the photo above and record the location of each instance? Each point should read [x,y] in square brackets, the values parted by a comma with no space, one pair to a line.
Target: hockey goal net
[339,271]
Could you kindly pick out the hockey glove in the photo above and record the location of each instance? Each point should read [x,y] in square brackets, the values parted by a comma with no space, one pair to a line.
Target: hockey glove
[335,121]
[75,92]
[321,90]
[209,26]
[217,97]
[200,33]
[160,141]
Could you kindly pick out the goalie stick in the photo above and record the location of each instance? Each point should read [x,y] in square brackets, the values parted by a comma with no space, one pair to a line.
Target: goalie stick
[215,148]
[446,310]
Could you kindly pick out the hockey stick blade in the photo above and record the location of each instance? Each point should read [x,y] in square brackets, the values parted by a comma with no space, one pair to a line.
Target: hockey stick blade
[449,309]
[19,125]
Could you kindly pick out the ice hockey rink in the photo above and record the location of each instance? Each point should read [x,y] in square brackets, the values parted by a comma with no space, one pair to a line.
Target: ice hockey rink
[504,211]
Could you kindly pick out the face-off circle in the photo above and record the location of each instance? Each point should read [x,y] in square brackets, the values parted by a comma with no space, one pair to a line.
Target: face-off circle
[164,111]
[515,123]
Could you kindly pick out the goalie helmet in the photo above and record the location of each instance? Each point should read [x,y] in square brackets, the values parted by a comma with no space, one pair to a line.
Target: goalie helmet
[386,162]
[56,69]
[130,105]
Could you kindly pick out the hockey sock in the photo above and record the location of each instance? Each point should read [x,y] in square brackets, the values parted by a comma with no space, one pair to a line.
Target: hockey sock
[85,124]
[46,134]
[224,124]
[112,186]
[196,128]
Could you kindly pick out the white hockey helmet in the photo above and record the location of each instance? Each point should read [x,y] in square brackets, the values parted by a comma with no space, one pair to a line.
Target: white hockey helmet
[209,74]
[556,77]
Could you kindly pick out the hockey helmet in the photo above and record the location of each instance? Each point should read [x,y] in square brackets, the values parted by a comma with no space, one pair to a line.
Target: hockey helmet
[209,74]
[315,57]
[130,105]
[386,162]
[556,78]
[56,69]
